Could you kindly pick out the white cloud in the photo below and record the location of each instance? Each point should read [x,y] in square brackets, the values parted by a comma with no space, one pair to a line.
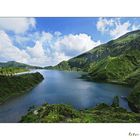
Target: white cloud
[33,37]
[135,27]
[48,49]
[9,52]
[103,23]
[17,25]
[46,36]
[21,39]
[51,49]
[72,45]
[54,49]
[57,33]
[35,55]
[37,51]
[120,29]
[68,46]
[114,27]
[54,57]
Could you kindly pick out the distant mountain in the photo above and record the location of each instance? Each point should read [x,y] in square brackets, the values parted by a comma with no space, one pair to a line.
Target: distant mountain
[17,64]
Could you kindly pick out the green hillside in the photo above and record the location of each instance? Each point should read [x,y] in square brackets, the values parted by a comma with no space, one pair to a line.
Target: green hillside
[15,85]
[124,44]
[114,68]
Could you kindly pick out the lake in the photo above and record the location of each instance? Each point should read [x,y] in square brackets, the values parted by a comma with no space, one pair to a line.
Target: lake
[65,88]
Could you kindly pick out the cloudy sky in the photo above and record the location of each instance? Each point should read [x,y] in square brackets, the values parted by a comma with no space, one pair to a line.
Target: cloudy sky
[48,41]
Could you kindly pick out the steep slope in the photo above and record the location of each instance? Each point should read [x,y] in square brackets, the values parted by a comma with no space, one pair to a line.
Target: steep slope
[134,81]
[124,44]
[114,68]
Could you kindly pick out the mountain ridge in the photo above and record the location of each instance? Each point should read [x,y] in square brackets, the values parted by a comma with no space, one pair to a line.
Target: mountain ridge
[113,48]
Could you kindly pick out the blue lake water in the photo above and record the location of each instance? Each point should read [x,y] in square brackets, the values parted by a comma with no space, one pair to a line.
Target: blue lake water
[66,88]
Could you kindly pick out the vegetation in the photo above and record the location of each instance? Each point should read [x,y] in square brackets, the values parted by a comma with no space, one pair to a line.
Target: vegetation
[102,113]
[9,71]
[134,98]
[64,65]
[115,102]
[15,85]
[114,68]
[17,64]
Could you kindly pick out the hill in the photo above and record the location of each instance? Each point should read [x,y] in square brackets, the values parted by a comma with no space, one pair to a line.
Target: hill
[114,68]
[17,64]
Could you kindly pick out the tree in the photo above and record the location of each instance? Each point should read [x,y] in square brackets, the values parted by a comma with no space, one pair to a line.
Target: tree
[115,102]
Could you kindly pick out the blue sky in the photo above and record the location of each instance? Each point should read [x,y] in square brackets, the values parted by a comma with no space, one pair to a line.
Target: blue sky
[70,25]
[48,41]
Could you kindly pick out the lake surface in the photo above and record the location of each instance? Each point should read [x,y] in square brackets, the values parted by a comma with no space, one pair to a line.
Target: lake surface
[66,88]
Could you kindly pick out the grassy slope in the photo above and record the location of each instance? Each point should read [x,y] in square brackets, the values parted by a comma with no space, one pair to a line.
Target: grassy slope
[64,113]
[114,68]
[15,85]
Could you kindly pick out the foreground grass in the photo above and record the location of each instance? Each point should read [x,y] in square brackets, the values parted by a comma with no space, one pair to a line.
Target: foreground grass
[59,113]
[15,85]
